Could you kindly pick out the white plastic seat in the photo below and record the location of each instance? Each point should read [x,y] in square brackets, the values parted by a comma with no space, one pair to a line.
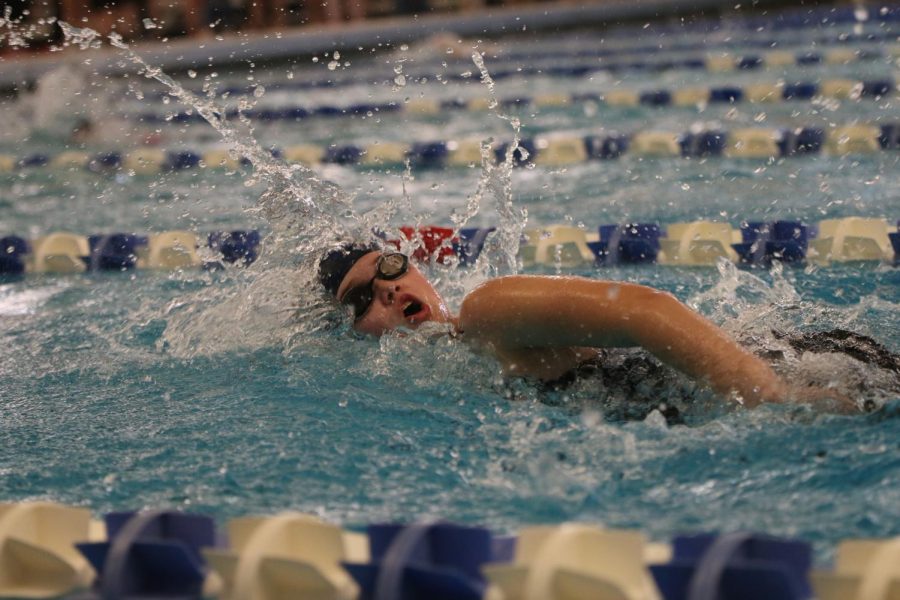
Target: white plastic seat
[38,558]
[841,56]
[422,106]
[779,58]
[555,100]
[71,159]
[171,250]
[655,143]
[384,153]
[752,142]
[864,570]
[839,88]
[690,96]
[306,154]
[622,98]
[574,562]
[145,160]
[559,151]
[852,238]
[720,62]
[291,555]
[854,139]
[60,252]
[763,92]
[215,159]
[561,245]
[464,152]
[697,243]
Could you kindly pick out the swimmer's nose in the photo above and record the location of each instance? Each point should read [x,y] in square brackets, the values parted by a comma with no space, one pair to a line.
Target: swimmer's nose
[385,291]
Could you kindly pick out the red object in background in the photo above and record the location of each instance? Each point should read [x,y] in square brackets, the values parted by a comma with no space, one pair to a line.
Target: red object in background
[432,238]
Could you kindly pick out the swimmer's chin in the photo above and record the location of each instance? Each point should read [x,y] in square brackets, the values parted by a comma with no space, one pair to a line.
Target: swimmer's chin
[424,330]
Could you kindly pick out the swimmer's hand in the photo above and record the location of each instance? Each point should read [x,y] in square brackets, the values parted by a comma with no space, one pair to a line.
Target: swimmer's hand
[826,399]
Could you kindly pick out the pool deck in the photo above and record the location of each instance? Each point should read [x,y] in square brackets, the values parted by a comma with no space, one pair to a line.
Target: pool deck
[271,45]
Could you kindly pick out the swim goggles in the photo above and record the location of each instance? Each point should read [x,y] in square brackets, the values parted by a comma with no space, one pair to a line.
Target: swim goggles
[389,266]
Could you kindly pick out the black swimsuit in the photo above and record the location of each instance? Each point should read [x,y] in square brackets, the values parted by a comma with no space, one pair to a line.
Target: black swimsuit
[634,383]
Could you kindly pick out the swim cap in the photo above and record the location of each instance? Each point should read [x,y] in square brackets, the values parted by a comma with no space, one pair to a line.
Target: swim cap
[335,265]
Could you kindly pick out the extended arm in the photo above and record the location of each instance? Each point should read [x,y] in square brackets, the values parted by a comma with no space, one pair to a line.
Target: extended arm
[524,313]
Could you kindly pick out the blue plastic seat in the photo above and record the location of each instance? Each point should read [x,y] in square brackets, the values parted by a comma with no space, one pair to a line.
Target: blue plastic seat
[763,242]
[750,62]
[726,94]
[365,109]
[12,255]
[236,246]
[114,252]
[267,114]
[328,111]
[434,561]
[895,242]
[656,98]
[471,243]
[606,147]
[803,90]
[343,155]
[808,140]
[703,144]
[890,136]
[876,88]
[296,113]
[152,554]
[631,243]
[428,154]
[454,104]
[34,160]
[738,566]
[809,58]
[516,102]
[177,161]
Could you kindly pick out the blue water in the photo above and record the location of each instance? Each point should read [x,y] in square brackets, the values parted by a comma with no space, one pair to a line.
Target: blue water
[204,391]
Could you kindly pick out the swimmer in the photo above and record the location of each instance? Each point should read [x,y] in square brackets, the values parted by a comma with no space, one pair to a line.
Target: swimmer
[542,327]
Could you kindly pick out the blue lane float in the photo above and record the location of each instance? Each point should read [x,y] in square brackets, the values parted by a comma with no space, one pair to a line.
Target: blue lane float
[63,252]
[629,58]
[798,91]
[696,243]
[52,551]
[548,150]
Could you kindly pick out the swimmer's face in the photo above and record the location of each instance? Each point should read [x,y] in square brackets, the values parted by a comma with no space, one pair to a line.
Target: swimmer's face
[407,301]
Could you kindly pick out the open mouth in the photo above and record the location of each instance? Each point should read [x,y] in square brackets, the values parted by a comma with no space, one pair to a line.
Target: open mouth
[412,308]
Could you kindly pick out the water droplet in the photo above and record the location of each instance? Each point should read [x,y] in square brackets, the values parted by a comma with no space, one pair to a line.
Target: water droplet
[685,186]
[191,73]
[259,91]
[337,55]
[333,65]
[315,59]
[149,24]
[400,80]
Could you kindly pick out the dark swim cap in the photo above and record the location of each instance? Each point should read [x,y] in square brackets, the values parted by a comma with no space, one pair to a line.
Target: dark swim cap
[335,265]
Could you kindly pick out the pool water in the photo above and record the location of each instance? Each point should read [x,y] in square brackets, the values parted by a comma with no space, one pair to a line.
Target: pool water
[231,393]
